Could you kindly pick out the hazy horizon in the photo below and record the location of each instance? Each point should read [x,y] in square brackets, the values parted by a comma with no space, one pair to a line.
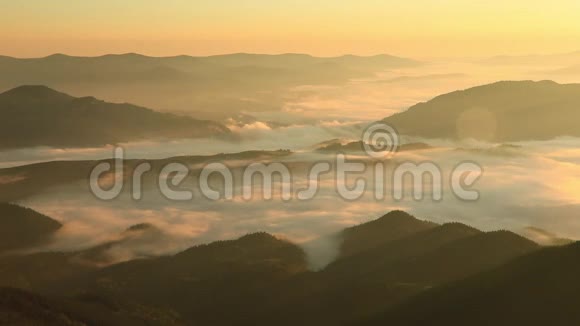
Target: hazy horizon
[279,53]
[426,28]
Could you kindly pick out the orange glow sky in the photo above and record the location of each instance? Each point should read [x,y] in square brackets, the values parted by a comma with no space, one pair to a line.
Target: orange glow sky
[420,28]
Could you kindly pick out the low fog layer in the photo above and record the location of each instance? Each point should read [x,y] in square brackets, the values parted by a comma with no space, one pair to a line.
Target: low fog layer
[528,184]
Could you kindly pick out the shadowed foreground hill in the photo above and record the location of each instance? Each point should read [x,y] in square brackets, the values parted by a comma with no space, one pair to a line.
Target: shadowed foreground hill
[39,116]
[538,289]
[22,228]
[200,283]
[223,283]
[261,280]
[363,283]
[19,307]
[503,111]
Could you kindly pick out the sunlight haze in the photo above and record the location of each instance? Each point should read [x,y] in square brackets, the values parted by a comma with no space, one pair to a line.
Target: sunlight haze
[422,28]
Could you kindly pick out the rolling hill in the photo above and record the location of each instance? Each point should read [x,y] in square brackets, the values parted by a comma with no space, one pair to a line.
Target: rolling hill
[22,228]
[357,286]
[390,227]
[500,112]
[214,87]
[536,289]
[405,271]
[39,116]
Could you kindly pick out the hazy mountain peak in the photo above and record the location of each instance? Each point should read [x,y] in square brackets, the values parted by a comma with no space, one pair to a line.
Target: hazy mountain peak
[34,92]
[392,226]
[258,236]
[503,111]
[57,56]
[396,214]
[128,56]
[133,54]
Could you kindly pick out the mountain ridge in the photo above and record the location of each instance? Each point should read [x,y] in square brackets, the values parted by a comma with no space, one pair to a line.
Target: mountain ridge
[36,115]
[499,112]
[256,277]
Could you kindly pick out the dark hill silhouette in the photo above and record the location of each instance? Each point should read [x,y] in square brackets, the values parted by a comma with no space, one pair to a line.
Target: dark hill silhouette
[202,282]
[32,95]
[259,279]
[22,228]
[461,258]
[537,289]
[18,307]
[502,111]
[358,286]
[392,226]
[39,116]
[377,259]
[29,180]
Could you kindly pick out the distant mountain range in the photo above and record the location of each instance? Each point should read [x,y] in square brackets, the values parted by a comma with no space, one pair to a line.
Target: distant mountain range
[498,112]
[394,270]
[535,60]
[39,116]
[132,66]
[214,87]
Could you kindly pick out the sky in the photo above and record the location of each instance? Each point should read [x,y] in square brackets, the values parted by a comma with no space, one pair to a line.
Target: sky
[420,28]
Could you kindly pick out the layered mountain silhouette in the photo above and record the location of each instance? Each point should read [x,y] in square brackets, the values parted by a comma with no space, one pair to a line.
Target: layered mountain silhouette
[357,286]
[396,269]
[136,67]
[498,112]
[214,87]
[40,116]
[390,227]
